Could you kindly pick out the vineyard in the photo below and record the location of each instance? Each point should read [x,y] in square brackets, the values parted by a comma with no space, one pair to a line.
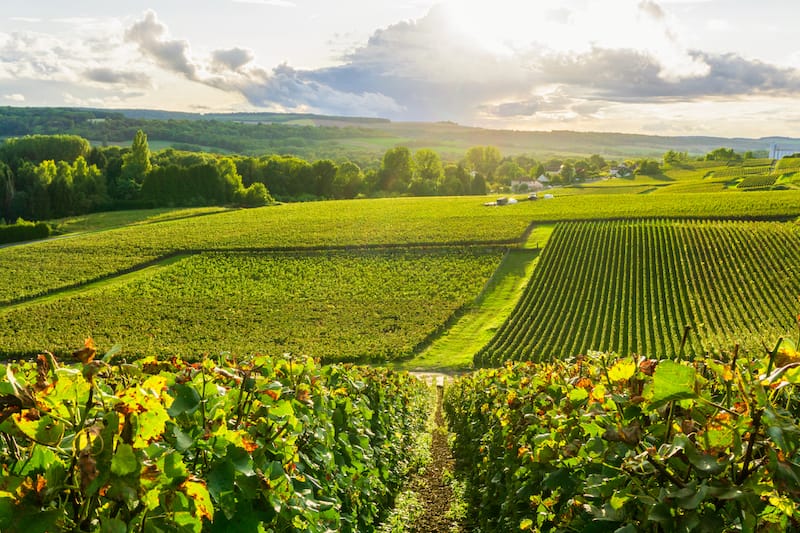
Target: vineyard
[376,305]
[40,268]
[631,444]
[743,171]
[757,182]
[265,444]
[632,287]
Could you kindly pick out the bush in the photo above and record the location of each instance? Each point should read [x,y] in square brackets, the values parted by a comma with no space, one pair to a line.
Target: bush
[23,230]
[256,195]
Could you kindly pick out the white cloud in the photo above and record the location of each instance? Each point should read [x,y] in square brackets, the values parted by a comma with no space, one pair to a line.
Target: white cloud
[275,3]
[15,97]
[719,25]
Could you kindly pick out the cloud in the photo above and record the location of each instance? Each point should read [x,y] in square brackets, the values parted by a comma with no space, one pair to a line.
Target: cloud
[111,76]
[29,20]
[294,90]
[172,54]
[630,75]
[433,69]
[232,59]
[276,3]
[15,97]
[233,70]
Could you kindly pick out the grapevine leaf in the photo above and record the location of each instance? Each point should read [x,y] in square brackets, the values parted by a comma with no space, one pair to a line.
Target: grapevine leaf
[112,525]
[124,461]
[672,381]
[622,370]
[111,353]
[44,430]
[196,490]
[220,479]
[187,400]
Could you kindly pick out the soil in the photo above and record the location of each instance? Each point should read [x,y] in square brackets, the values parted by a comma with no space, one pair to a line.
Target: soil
[436,495]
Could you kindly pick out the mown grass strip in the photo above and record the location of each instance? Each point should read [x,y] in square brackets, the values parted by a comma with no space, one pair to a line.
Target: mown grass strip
[454,349]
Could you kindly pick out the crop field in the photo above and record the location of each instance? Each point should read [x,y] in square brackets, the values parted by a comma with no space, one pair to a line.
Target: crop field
[39,268]
[375,305]
[632,286]
[757,181]
[741,172]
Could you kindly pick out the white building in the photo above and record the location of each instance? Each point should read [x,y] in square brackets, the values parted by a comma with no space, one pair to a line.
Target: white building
[777,152]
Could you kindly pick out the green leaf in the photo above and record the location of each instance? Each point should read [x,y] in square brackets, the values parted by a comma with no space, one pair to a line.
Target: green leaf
[124,461]
[183,441]
[174,467]
[672,381]
[112,525]
[111,353]
[578,394]
[187,400]
[618,501]
[220,479]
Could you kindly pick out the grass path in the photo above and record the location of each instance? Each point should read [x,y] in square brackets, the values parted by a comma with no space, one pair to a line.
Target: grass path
[453,350]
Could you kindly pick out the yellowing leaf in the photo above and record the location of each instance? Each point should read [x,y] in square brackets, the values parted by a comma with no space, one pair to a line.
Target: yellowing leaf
[197,491]
[622,370]
[526,524]
[599,393]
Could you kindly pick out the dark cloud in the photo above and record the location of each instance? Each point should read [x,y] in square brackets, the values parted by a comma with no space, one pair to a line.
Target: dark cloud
[150,35]
[630,75]
[111,76]
[232,59]
[293,89]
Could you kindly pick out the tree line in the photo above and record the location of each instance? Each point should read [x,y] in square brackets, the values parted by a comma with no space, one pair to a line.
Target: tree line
[52,176]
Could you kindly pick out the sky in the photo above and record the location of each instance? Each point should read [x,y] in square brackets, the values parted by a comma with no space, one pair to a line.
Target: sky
[663,67]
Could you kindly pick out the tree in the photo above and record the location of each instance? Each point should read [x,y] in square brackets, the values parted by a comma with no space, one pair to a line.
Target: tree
[61,191]
[597,162]
[324,176]
[567,172]
[456,181]
[231,180]
[509,171]
[256,195]
[348,180]
[428,173]
[397,169]
[136,163]
[89,186]
[671,157]
[483,159]
[722,154]
[477,185]
[537,171]
[6,193]
[648,167]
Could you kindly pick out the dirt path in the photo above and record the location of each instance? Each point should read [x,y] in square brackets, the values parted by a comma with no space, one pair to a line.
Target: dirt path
[436,495]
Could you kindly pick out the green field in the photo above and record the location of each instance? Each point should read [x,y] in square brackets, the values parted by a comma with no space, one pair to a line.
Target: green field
[632,286]
[376,305]
[106,258]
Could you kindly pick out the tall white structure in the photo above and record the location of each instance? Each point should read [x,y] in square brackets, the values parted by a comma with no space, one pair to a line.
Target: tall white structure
[776,152]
